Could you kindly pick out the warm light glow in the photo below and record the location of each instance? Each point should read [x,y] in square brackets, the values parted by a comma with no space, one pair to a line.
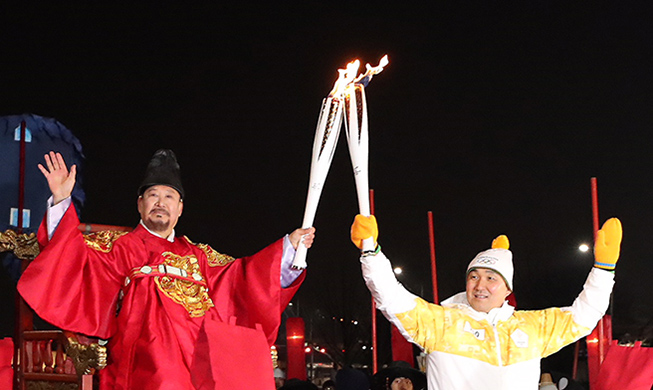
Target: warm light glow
[373,70]
[322,350]
[595,340]
[307,349]
[346,76]
[398,270]
[583,248]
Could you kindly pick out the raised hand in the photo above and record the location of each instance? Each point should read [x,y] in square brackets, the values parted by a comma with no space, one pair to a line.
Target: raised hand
[608,244]
[60,180]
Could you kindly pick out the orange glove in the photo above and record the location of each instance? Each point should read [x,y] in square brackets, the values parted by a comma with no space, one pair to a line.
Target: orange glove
[362,228]
[608,244]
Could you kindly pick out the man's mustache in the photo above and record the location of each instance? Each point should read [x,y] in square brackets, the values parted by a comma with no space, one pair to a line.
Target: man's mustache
[159,210]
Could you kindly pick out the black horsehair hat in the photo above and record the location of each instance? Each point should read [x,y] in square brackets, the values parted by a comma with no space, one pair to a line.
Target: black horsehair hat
[396,369]
[163,169]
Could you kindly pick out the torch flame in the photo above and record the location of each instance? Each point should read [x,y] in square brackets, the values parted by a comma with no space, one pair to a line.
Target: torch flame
[347,75]
[371,71]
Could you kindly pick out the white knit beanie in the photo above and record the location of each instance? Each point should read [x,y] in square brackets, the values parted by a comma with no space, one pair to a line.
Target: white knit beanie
[499,260]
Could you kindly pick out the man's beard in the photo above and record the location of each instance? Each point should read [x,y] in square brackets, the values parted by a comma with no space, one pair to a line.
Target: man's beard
[158,225]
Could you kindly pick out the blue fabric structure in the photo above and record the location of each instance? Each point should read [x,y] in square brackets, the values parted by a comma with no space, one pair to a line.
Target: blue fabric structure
[42,136]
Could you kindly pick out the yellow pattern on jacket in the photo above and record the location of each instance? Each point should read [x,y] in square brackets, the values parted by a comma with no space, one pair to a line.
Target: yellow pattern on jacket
[470,350]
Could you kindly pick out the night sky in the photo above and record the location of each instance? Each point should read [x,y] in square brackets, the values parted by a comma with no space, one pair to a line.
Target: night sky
[493,116]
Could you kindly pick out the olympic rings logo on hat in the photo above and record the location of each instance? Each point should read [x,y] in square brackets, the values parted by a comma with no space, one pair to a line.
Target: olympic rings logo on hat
[487,260]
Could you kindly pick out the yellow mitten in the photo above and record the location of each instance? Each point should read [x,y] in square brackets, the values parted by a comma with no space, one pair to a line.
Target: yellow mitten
[362,228]
[608,244]
[501,242]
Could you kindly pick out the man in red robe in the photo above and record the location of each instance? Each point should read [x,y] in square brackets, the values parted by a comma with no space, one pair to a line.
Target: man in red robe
[178,315]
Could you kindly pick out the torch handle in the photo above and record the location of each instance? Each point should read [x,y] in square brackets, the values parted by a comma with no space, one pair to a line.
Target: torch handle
[358,141]
[300,257]
[363,192]
[299,262]
[324,145]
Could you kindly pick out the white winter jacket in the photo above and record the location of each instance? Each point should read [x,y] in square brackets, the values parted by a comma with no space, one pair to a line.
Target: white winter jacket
[470,350]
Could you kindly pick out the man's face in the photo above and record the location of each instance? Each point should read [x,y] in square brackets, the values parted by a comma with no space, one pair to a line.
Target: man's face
[486,289]
[401,383]
[160,207]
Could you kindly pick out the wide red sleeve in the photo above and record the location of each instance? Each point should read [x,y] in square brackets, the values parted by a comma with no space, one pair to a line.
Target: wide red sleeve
[71,285]
[253,285]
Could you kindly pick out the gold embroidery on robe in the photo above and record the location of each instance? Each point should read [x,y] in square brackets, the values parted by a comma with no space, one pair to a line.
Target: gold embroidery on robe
[215,258]
[192,296]
[25,246]
[102,241]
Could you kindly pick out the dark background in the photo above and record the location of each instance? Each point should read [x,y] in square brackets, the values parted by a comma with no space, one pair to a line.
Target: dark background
[493,115]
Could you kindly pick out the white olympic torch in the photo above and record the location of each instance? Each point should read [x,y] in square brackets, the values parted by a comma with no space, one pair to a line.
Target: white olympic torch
[324,146]
[356,127]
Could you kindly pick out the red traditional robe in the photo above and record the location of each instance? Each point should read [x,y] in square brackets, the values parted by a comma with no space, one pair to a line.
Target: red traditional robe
[208,328]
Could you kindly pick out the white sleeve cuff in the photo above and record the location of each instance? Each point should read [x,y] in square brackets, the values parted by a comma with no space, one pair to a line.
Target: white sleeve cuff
[56,213]
[288,274]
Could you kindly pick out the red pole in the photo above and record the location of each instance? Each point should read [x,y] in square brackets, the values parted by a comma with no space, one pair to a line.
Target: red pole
[595,223]
[595,207]
[574,368]
[23,319]
[595,229]
[434,272]
[599,328]
[375,358]
[21,178]
[596,346]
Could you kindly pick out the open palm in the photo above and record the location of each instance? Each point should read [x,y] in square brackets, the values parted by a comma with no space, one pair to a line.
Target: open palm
[60,180]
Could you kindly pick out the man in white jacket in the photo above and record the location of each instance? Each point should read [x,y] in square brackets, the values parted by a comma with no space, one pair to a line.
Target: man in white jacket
[476,340]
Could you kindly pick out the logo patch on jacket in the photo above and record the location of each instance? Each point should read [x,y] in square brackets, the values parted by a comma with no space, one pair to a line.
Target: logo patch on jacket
[478,333]
[520,338]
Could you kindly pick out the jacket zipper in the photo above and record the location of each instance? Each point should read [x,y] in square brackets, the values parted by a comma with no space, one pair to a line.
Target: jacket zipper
[496,339]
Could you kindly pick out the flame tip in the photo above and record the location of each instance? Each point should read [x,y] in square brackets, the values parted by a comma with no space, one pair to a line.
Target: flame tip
[350,75]
[384,61]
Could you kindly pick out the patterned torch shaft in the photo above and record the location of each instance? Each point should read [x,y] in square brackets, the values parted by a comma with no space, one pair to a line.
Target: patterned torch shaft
[324,146]
[358,140]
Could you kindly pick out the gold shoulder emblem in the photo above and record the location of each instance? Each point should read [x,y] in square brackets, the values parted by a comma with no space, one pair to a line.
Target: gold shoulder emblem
[215,258]
[102,241]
